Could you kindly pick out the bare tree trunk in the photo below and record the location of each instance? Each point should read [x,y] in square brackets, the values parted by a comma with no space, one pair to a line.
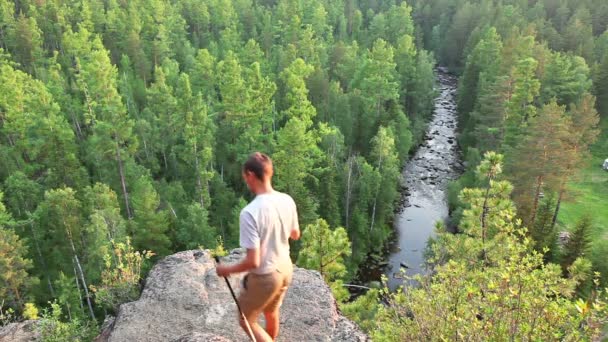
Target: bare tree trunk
[562,189]
[321,253]
[84,283]
[172,210]
[77,127]
[123,182]
[165,161]
[87,99]
[348,190]
[11,143]
[199,182]
[77,286]
[371,227]
[539,182]
[145,147]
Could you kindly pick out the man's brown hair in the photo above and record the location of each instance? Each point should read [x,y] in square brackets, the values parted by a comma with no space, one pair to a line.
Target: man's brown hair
[260,164]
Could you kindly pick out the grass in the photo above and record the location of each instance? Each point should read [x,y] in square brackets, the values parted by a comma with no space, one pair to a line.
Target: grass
[589,193]
[589,196]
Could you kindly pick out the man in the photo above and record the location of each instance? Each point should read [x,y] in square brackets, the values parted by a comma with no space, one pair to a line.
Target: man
[266,224]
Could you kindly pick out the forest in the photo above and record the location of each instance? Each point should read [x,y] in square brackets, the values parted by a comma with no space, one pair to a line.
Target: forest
[124,124]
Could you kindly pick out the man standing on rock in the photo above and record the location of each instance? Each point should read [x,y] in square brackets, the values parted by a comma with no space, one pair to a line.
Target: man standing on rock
[266,225]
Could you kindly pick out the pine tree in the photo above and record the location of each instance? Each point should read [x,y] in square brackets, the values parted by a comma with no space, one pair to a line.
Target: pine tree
[111,143]
[324,249]
[405,60]
[150,223]
[578,243]
[582,132]
[60,225]
[15,279]
[296,146]
[566,78]
[487,121]
[520,107]
[160,110]
[297,154]
[203,76]
[297,103]
[69,296]
[537,163]
[399,22]
[376,80]
[197,133]
[25,43]
[101,204]
[328,191]
[543,233]
[385,160]
[485,58]
[600,83]
[194,230]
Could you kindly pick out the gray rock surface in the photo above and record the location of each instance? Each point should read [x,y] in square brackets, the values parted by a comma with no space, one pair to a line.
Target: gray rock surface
[20,332]
[185,301]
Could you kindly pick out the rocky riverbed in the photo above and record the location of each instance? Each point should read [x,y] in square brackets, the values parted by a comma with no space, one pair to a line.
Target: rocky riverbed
[424,183]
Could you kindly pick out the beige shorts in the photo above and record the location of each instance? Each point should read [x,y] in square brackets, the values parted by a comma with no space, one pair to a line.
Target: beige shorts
[263,292]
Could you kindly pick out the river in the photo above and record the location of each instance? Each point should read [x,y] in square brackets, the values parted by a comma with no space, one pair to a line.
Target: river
[424,181]
[423,186]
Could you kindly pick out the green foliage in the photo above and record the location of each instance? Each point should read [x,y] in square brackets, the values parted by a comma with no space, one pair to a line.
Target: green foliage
[536,163]
[132,119]
[520,107]
[219,250]
[14,265]
[578,242]
[69,297]
[30,311]
[518,57]
[363,310]
[150,223]
[194,230]
[121,277]
[482,64]
[297,152]
[324,249]
[490,288]
[566,79]
[53,329]
[7,315]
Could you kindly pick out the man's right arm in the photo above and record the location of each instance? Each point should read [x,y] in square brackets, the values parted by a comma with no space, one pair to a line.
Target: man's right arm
[295,234]
[295,226]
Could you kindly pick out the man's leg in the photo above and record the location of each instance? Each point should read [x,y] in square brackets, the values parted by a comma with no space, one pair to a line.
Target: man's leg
[259,333]
[271,310]
[272,323]
[260,290]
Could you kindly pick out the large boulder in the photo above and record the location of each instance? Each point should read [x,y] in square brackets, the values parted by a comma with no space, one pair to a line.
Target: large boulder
[25,331]
[184,300]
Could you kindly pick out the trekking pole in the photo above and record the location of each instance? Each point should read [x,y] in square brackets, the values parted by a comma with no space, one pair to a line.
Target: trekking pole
[249,331]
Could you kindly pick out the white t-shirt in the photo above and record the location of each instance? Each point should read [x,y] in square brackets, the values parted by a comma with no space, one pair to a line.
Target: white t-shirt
[266,223]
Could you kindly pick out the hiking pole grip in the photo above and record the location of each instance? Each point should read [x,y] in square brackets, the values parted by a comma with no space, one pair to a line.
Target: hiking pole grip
[249,331]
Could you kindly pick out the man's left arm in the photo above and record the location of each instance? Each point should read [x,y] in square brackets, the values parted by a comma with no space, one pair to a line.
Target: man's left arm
[251,261]
[250,240]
